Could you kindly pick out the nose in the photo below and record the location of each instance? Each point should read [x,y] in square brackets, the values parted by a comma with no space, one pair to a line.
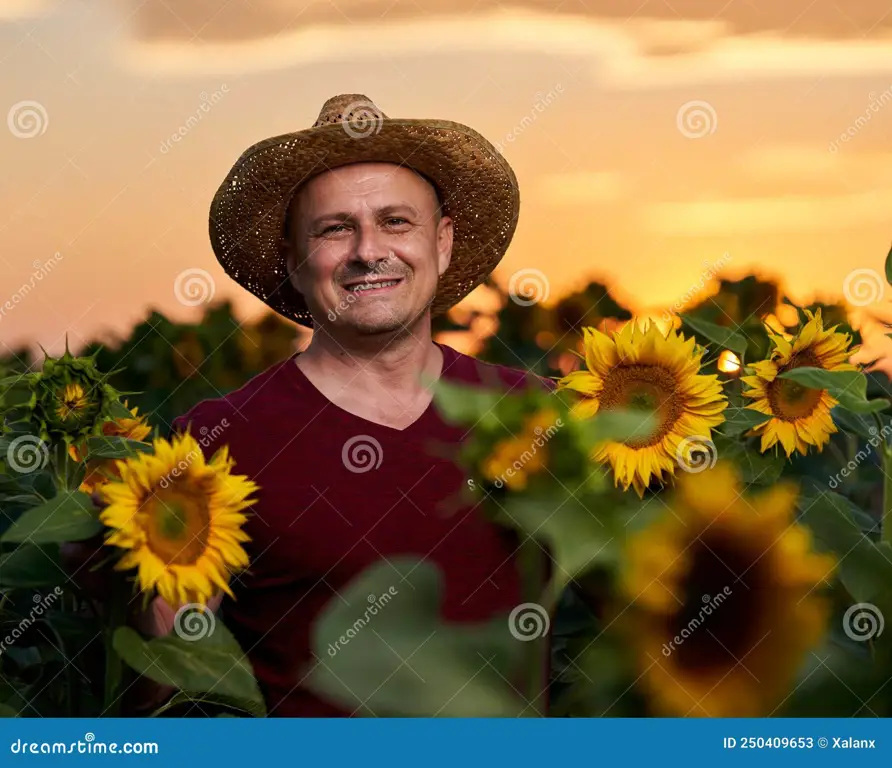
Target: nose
[370,245]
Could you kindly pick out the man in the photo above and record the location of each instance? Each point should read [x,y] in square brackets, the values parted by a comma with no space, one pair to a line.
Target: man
[363,228]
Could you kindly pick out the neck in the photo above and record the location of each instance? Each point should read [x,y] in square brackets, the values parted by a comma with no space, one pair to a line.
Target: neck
[400,361]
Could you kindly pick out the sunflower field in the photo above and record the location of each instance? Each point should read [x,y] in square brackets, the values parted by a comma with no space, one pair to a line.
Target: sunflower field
[704,503]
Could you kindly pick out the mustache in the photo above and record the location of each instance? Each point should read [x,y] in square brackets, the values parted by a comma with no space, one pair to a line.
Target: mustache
[376,271]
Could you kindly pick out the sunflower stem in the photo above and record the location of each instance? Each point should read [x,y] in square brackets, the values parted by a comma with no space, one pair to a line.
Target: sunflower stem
[533,574]
[117,616]
[886,522]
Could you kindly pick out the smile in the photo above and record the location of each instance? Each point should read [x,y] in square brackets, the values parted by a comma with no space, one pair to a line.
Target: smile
[372,286]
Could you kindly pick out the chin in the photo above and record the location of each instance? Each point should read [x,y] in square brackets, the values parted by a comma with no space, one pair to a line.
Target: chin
[384,320]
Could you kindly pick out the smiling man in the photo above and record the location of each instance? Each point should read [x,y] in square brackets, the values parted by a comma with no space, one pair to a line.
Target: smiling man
[363,228]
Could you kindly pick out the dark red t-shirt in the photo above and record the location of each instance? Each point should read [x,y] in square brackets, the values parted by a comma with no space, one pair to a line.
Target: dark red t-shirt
[317,524]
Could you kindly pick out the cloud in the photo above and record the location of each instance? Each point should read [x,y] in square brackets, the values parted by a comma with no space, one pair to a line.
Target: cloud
[662,49]
[792,214]
[583,188]
[11,10]
[798,164]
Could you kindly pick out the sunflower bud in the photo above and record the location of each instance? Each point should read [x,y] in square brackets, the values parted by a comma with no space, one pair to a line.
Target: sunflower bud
[70,399]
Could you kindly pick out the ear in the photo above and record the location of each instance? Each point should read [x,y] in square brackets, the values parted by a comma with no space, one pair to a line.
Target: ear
[444,244]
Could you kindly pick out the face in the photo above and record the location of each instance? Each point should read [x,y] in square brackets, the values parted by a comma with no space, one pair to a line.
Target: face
[368,248]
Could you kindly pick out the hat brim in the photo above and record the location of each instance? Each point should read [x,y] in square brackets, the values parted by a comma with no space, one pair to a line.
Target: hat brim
[478,189]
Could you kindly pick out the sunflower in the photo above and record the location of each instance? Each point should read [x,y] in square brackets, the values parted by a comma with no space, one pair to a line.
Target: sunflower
[516,459]
[99,471]
[799,416]
[180,517]
[70,398]
[650,370]
[725,599]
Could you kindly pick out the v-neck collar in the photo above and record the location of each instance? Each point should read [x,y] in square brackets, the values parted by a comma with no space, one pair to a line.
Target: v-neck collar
[299,378]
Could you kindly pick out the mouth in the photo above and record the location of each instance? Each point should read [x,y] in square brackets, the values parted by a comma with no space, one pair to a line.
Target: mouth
[370,287]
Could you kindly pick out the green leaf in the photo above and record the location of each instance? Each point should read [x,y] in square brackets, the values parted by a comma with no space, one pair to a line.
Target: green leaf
[70,516]
[739,420]
[889,267]
[755,468]
[403,660]
[119,411]
[618,425]
[848,387]
[115,447]
[464,404]
[717,334]
[253,708]
[30,566]
[7,711]
[213,664]
[864,568]
[577,538]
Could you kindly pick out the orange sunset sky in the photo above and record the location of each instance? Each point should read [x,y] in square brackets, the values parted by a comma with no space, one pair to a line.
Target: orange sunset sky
[651,139]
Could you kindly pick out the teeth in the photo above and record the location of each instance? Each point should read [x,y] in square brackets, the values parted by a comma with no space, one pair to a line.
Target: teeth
[372,286]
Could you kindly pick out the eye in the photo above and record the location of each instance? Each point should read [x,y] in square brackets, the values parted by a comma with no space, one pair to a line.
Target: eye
[332,229]
[396,221]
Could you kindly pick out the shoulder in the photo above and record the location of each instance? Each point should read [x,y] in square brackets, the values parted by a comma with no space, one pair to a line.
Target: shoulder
[235,411]
[470,370]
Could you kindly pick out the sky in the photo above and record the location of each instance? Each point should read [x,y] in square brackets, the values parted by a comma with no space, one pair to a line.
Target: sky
[652,140]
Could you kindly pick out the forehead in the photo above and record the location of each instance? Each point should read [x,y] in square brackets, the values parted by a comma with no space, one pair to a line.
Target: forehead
[362,184]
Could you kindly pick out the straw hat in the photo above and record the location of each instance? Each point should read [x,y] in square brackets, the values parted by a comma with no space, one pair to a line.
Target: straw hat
[476,186]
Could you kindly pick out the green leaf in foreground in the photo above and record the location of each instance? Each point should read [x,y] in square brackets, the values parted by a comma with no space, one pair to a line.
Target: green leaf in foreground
[115,447]
[618,425]
[403,660]
[717,334]
[889,267]
[70,516]
[576,537]
[864,568]
[848,387]
[213,664]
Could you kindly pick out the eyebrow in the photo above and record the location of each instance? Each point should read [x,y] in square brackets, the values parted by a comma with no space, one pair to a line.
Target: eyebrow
[380,212]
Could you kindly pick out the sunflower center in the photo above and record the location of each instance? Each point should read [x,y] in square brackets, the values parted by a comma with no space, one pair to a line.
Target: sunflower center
[73,401]
[723,599]
[790,400]
[645,388]
[177,522]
